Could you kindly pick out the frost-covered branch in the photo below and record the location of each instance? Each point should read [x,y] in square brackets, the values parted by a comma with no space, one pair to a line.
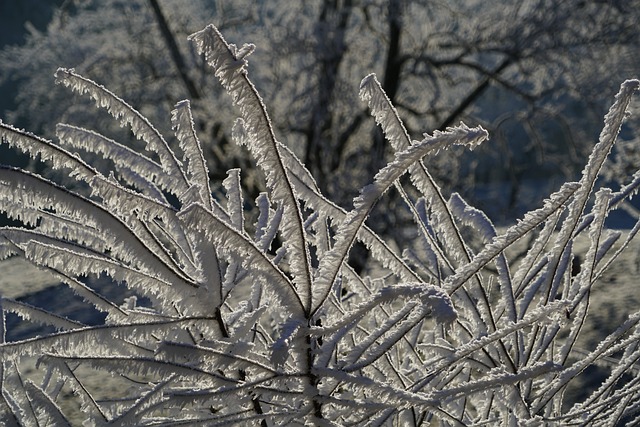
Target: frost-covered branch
[216,311]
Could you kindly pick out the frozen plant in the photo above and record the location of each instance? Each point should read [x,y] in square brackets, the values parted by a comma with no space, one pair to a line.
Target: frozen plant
[267,323]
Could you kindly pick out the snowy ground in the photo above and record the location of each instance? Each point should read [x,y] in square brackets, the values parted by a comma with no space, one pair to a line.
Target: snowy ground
[22,281]
[18,279]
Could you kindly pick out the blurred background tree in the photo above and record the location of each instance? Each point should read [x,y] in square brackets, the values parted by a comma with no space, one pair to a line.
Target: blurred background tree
[532,72]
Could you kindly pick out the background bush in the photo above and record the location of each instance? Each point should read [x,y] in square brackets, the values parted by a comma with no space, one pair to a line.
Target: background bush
[532,73]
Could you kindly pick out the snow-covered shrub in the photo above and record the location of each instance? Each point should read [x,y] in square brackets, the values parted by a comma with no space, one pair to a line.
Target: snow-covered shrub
[261,320]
